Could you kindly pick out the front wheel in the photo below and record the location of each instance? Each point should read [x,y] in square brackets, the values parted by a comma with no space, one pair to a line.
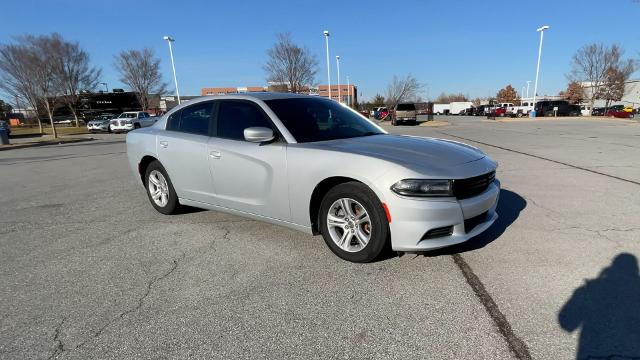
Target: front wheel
[160,190]
[353,222]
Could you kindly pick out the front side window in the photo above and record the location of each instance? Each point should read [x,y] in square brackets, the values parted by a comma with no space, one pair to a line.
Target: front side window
[313,119]
[235,116]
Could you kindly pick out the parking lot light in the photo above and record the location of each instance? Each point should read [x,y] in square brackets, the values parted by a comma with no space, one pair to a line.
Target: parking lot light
[326,38]
[338,67]
[535,86]
[169,40]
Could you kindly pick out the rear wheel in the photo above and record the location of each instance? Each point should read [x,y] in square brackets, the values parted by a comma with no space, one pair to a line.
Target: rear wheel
[353,223]
[136,126]
[160,190]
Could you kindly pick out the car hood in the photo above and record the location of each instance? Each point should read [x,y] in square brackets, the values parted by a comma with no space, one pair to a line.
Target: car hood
[408,150]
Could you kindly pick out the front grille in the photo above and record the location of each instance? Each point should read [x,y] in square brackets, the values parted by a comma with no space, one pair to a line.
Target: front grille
[438,232]
[466,188]
[471,223]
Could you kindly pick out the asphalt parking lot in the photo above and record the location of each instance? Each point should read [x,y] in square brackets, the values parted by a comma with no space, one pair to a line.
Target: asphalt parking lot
[89,270]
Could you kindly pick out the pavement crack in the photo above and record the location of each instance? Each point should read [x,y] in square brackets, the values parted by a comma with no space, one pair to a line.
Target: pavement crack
[59,345]
[516,345]
[139,303]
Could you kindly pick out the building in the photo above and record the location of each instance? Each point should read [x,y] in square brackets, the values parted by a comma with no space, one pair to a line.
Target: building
[631,94]
[348,93]
[231,90]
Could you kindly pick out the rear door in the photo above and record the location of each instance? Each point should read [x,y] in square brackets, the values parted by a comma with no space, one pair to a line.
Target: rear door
[182,149]
[247,176]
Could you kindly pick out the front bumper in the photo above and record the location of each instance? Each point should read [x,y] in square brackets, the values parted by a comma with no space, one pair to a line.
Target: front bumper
[412,218]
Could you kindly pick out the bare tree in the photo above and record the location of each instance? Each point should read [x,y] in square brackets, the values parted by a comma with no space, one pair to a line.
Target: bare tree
[445,98]
[75,74]
[290,64]
[44,72]
[614,82]
[591,64]
[477,101]
[400,90]
[140,70]
[28,72]
[16,69]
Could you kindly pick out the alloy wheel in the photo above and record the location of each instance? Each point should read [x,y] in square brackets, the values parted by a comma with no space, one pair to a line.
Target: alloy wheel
[349,225]
[158,188]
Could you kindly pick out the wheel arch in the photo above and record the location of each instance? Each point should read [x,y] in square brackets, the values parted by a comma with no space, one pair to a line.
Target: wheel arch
[143,164]
[321,189]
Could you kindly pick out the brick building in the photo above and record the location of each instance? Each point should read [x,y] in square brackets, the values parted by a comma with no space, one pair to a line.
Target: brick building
[348,93]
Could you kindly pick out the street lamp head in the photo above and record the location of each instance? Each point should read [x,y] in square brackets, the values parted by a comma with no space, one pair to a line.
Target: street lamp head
[543,28]
[337,57]
[326,33]
[168,38]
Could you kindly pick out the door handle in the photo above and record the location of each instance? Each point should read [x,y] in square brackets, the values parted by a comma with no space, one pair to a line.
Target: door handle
[164,144]
[215,154]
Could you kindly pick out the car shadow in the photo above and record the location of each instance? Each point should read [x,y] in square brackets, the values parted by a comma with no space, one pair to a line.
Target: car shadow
[607,312]
[185,209]
[509,207]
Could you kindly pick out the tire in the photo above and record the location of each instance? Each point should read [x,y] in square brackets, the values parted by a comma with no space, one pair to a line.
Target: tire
[548,114]
[165,187]
[358,197]
[519,115]
[136,126]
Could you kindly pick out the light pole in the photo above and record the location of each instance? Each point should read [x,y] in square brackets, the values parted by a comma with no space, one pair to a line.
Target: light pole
[105,85]
[173,65]
[522,93]
[535,86]
[338,66]
[326,38]
[528,82]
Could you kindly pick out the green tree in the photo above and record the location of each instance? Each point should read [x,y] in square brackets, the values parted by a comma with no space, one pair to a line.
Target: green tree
[5,109]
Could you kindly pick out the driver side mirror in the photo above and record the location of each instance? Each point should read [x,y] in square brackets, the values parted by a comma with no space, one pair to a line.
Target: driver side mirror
[258,134]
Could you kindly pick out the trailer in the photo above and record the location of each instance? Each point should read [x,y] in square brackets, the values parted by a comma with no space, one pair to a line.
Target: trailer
[441,109]
[459,107]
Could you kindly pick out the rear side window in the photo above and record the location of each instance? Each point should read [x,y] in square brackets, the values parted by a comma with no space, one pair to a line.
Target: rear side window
[406,107]
[194,119]
[235,116]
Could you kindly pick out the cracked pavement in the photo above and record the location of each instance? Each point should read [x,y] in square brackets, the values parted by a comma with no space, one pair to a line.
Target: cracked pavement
[90,271]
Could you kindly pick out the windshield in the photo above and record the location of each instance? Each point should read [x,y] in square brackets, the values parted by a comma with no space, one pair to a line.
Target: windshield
[127,115]
[311,119]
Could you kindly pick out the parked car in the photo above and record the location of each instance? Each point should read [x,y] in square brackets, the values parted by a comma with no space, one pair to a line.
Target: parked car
[597,111]
[480,110]
[618,113]
[520,110]
[313,165]
[377,112]
[5,125]
[549,108]
[364,113]
[403,113]
[130,120]
[100,123]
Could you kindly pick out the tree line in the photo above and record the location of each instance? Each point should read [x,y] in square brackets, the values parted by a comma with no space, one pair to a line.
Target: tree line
[47,70]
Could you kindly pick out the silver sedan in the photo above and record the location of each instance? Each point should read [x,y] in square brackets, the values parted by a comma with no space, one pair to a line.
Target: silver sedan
[314,165]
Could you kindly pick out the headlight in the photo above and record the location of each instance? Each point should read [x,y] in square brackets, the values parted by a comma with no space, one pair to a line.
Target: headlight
[423,188]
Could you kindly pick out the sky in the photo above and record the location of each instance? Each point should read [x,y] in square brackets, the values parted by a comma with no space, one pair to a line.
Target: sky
[473,47]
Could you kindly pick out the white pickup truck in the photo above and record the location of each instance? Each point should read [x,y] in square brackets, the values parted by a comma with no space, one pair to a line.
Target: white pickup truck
[519,111]
[130,120]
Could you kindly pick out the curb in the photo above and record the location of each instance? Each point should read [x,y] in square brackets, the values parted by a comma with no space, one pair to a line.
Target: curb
[43,143]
